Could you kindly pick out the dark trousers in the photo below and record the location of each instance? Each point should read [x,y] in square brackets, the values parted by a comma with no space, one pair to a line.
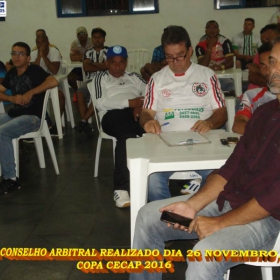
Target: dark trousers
[120,123]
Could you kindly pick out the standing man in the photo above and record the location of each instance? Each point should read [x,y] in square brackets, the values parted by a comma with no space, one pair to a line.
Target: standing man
[216,53]
[94,61]
[238,208]
[246,43]
[118,96]
[185,95]
[77,51]
[28,84]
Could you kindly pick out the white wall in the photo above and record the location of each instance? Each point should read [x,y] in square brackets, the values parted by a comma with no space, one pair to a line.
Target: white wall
[24,17]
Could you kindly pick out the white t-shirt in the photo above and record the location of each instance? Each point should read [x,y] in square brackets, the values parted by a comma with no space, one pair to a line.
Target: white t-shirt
[113,93]
[182,100]
[53,55]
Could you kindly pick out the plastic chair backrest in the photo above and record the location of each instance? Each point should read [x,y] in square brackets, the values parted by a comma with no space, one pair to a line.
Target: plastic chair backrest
[137,58]
[46,100]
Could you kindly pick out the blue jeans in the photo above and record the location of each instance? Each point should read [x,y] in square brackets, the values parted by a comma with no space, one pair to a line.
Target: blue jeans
[158,183]
[11,128]
[151,233]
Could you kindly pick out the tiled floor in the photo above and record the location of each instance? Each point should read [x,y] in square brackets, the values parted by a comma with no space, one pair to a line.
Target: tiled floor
[72,210]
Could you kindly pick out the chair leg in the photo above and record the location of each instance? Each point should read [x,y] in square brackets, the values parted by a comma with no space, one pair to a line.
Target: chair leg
[16,155]
[266,273]
[40,151]
[47,135]
[226,275]
[97,155]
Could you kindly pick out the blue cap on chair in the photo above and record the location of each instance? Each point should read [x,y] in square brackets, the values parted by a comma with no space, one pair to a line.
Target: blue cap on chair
[117,51]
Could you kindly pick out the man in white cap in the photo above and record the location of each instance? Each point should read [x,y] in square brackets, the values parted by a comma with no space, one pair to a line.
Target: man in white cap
[118,96]
[77,50]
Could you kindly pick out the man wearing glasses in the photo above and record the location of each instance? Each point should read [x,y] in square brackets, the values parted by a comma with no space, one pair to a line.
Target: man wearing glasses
[182,96]
[77,51]
[28,84]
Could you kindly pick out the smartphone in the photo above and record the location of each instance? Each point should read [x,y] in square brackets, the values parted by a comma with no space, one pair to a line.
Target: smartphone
[172,218]
[232,140]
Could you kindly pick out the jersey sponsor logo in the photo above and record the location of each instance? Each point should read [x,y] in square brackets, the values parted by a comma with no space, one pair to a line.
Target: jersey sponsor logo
[166,93]
[200,89]
[169,115]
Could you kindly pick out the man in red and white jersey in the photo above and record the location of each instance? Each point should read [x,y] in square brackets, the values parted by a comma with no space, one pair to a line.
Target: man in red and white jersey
[256,97]
[182,96]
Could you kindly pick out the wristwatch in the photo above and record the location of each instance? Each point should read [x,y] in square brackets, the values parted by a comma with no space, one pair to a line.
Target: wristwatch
[222,67]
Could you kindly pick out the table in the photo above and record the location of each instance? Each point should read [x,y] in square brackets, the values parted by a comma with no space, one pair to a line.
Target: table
[236,75]
[150,154]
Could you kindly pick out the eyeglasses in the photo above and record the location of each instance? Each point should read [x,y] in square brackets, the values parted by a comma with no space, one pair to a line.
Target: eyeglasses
[81,33]
[178,58]
[21,54]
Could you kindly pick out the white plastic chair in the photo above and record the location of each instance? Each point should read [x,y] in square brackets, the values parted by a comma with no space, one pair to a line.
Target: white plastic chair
[266,267]
[102,135]
[37,136]
[230,104]
[137,58]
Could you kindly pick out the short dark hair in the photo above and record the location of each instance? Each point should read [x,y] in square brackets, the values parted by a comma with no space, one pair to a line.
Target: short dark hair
[265,47]
[271,26]
[22,45]
[43,30]
[174,34]
[211,21]
[275,41]
[98,30]
[250,19]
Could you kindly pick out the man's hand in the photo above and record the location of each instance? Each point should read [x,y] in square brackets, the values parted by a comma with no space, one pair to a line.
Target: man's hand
[27,97]
[17,99]
[212,41]
[202,126]
[136,102]
[205,226]
[43,51]
[152,126]
[136,112]
[181,208]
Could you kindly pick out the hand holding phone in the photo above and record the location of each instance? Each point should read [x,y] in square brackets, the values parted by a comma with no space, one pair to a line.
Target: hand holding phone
[172,218]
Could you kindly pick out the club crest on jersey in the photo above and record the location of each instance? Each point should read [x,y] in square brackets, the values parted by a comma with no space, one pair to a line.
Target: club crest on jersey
[166,93]
[200,89]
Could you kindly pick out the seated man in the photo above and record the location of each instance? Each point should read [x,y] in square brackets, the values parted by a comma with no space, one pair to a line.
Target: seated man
[28,84]
[77,51]
[216,53]
[256,97]
[49,59]
[94,60]
[157,63]
[237,209]
[119,99]
[245,44]
[267,34]
[43,32]
[185,95]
